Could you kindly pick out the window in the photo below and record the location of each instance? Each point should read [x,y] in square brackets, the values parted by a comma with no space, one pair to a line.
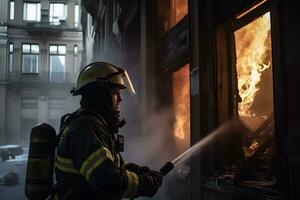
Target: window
[12,10]
[76,66]
[57,63]
[30,58]
[58,12]
[75,50]
[76,15]
[10,57]
[32,11]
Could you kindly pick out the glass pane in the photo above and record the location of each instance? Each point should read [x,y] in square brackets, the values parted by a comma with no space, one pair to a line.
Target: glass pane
[30,63]
[65,11]
[57,11]
[31,12]
[10,62]
[12,10]
[57,68]
[35,48]
[38,11]
[62,49]
[51,10]
[24,11]
[26,48]
[76,17]
[11,48]
[57,63]
[53,49]
[34,67]
[75,50]
[26,64]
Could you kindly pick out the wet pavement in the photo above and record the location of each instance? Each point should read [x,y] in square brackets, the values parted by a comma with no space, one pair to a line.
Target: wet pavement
[15,192]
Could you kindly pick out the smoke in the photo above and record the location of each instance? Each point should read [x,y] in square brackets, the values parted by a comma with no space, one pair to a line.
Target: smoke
[154,146]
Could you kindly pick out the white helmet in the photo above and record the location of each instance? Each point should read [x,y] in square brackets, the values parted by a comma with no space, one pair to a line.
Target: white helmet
[104,73]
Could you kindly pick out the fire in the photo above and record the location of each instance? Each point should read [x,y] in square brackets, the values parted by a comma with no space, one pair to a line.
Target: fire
[179,9]
[253,48]
[181,102]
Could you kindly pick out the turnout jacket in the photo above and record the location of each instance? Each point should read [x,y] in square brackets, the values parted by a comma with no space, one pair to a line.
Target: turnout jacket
[88,165]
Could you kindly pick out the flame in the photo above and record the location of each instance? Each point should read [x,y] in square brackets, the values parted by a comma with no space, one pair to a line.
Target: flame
[179,9]
[253,57]
[181,102]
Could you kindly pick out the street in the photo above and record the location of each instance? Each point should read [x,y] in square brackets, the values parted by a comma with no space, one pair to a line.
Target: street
[19,167]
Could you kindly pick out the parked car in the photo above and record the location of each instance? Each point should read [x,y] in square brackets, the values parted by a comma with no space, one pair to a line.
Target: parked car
[10,151]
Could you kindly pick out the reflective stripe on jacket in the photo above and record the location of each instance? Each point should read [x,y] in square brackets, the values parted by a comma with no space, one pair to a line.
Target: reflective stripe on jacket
[86,151]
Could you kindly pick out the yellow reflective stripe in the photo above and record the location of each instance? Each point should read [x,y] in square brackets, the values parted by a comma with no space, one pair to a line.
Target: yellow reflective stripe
[66,165]
[64,160]
[118,160]
[55,197]
[64,135]
[95,160]
[132,186]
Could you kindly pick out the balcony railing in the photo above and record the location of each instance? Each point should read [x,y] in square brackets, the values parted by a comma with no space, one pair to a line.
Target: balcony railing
[46,27]
[42,77]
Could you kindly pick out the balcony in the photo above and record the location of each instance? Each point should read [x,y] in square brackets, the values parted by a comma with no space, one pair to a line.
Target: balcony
[46,28]
[42,78]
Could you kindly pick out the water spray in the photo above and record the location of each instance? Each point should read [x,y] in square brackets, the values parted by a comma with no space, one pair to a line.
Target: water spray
[227,127]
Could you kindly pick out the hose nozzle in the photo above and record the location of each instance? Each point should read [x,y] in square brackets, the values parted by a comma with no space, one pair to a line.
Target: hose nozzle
[167,168]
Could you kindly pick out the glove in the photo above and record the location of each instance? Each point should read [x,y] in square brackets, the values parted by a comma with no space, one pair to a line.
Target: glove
[150,181]
[136,168]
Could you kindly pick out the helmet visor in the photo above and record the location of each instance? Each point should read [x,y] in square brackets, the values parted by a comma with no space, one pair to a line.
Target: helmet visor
[128,83]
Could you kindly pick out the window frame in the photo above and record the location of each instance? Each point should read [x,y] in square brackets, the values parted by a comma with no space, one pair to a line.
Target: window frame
[57,54]
[30,53]
[38,11]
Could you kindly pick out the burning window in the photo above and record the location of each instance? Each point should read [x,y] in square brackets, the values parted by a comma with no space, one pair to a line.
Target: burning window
[181,106]
[255,92]
[178,10]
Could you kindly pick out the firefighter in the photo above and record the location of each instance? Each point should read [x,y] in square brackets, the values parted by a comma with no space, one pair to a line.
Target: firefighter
[89,165]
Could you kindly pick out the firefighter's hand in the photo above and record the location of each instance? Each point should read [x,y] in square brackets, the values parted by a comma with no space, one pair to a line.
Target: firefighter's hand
[136,168]
[149,183]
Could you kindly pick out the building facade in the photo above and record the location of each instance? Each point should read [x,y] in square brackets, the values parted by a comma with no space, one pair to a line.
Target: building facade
[41,45]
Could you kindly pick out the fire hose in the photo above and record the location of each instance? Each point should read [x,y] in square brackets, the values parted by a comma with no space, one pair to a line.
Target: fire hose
[228,127]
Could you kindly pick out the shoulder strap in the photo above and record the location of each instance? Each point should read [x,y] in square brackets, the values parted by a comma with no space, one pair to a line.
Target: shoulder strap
[68,118]
[64,121]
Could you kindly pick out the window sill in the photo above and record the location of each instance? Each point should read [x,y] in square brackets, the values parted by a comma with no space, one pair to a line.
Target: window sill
[30,73]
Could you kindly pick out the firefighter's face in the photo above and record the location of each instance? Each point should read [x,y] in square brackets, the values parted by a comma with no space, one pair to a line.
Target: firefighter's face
[116,97]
